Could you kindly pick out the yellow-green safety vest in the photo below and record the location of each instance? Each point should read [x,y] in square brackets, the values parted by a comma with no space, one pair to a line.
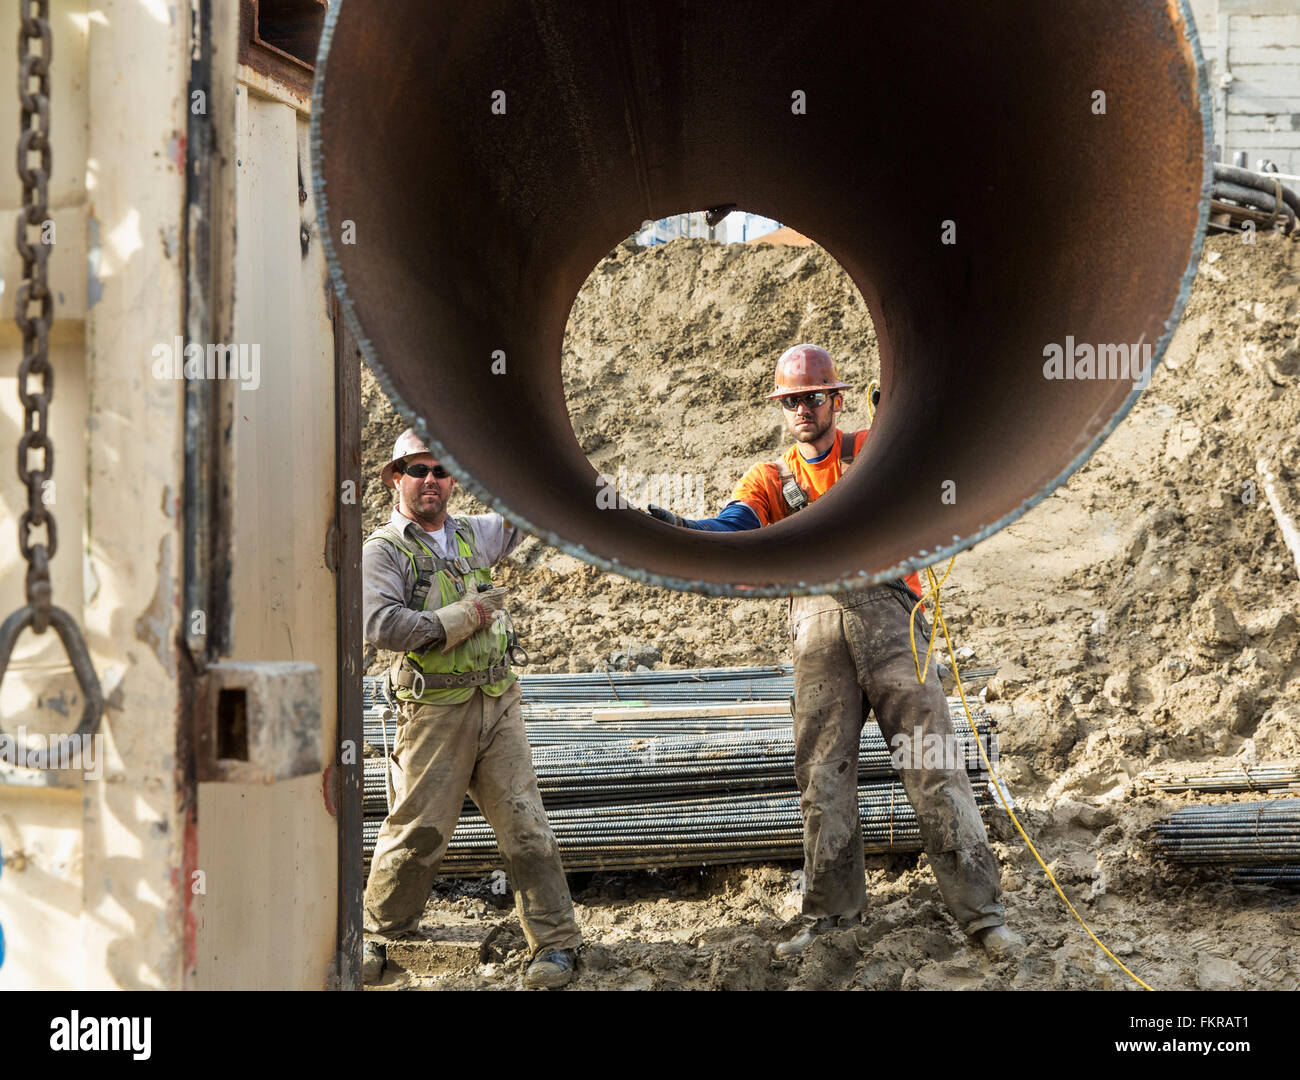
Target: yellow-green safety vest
[481,650]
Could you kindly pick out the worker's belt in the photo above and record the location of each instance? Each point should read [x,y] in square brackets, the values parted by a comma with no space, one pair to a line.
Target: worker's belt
[407,678]
[900,586]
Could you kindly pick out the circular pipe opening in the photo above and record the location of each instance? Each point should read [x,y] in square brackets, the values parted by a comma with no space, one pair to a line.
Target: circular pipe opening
[669,353]
[477,163]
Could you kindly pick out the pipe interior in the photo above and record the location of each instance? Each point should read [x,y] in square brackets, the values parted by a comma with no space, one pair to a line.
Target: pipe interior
[475,228]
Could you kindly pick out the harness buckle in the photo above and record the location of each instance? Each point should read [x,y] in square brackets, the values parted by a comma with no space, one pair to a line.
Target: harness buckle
[793,494]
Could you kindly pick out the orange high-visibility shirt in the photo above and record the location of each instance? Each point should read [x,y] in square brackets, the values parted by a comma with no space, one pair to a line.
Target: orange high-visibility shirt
[760,488]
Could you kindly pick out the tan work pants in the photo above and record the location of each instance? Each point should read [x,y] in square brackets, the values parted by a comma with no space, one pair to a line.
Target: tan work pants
[846,645]
[440,753]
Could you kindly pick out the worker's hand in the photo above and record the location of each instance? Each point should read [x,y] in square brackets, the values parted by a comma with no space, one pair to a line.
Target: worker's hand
[491,600]
[469,614]
[664,515]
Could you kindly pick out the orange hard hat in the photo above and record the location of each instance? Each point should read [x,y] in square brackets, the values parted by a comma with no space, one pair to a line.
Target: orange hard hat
[803,368]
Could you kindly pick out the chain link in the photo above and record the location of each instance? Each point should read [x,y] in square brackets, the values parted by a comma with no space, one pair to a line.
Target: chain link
[34,305]
[34,312]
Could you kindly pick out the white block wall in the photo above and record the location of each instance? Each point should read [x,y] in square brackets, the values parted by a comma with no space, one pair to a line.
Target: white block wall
[1259,110]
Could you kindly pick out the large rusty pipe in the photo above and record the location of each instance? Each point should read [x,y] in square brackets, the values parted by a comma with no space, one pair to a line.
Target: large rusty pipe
[479,159]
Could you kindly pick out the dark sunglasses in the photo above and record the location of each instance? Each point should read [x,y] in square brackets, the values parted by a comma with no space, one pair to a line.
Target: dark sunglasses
[421,471]
[815,400]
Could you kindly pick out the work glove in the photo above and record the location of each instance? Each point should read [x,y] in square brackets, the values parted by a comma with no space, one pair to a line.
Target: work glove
[664,515]
[469,615]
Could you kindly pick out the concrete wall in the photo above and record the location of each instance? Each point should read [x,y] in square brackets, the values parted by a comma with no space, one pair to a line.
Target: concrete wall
[1257,42]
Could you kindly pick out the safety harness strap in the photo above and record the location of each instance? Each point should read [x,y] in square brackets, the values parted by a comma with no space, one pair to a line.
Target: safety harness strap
[427,564]
[846,449]
[795,496]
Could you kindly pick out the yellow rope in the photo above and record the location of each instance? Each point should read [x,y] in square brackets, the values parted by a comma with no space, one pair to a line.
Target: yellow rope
[942,624]
[871,390]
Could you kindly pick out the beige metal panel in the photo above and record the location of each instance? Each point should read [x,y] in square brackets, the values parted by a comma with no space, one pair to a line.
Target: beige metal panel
[133,924]
[266,918]
[283,429]
[274,923]
[272,89]
[101,889]
[40,887]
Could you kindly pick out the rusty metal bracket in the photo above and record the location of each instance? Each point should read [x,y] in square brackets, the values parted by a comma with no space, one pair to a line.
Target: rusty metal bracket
[279,37]
[258,722]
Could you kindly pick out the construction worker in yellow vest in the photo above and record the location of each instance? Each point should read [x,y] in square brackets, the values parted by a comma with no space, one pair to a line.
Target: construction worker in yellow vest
[428,596]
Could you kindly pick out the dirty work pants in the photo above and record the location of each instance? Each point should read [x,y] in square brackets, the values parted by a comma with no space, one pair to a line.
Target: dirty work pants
[846,645]
[440,753]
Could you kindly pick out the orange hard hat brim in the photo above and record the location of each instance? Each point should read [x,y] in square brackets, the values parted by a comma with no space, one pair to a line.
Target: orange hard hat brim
[786,391]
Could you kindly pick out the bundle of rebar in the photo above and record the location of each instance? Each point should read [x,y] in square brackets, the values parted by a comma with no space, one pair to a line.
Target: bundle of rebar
[1232,834]
[662,767]
[559,708]
[1234,778]
[673,790]
[695,685]
[1281,876]
[687,832]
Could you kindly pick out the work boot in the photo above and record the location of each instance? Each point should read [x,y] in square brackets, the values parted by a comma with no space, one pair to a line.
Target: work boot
[807,931]
[1000,942]
[373,958]
[552,968]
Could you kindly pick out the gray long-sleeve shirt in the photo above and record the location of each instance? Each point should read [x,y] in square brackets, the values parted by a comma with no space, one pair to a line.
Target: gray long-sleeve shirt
[387,579]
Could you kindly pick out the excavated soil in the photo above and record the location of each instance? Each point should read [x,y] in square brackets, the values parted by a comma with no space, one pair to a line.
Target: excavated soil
[1143,615]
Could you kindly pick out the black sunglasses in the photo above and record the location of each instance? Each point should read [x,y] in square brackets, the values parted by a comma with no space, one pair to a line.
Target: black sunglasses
[815,400]
[421,471]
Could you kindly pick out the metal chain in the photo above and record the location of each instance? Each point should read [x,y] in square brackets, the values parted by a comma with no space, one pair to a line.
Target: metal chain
[35,291]
[34,311]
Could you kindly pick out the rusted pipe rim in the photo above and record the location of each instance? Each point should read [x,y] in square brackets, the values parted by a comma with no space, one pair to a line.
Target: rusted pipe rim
[475,229]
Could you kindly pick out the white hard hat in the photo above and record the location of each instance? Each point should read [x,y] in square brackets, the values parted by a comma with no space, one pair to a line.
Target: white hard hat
[407,446]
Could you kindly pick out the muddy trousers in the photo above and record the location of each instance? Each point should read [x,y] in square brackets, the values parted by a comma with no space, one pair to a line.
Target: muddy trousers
[440,753]
[844,646]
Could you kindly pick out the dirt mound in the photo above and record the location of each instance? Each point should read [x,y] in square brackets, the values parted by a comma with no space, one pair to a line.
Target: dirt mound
[1145,613]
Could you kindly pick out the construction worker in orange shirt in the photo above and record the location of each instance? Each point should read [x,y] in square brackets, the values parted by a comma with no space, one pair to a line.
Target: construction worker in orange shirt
[847,645]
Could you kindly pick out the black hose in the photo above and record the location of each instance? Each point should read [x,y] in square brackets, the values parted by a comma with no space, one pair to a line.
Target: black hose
[1258,181]
[1255,198]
